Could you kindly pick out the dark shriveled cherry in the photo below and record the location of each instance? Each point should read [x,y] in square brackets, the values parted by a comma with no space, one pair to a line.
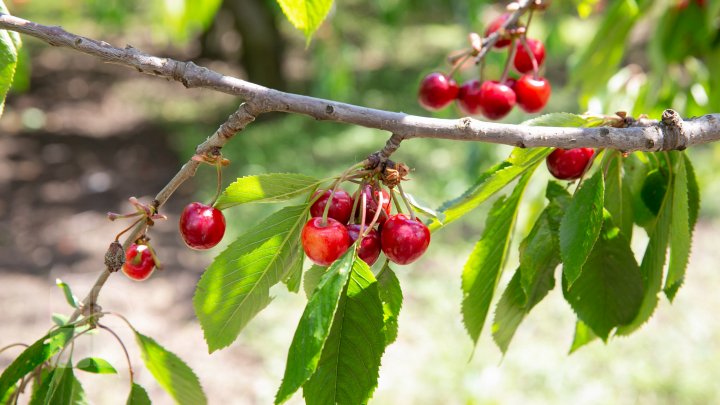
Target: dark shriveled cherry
[569,164]
[404,239]
[437,91]
[201,226]
[369,249]
[340,208]
[324,244]
[139,263]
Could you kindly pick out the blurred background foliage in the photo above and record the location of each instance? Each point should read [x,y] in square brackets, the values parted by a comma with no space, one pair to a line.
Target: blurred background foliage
[603,56]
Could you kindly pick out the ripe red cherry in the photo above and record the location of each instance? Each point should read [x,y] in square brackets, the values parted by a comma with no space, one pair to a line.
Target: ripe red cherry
[324,244]
[369,249]
[372,197]
[340,208]
[532,94]
[437,91]
[496,99]
[494,26]
[469,97]
[139,263]
[569,164]
[201,226]
[404,239]
[523,60]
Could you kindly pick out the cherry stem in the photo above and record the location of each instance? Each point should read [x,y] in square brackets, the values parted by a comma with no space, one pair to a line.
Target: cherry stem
[407,202]
[459,63]
[327,205]
[511,56]
[364,211]
[530,16]
[395,201]
[356,200]
[218,166]
[381,201]
[122,345]
[137,221]
[533,60]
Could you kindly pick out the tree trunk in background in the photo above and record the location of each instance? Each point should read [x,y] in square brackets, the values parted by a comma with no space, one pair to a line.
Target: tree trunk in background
[262,47]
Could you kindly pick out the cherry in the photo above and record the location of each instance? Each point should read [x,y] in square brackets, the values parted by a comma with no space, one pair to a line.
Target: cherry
[532,94]
[494,26]
[496,99]
[323,244]
[569,164]
[469,97]
[372,197]
[340,208]
[369,249]
[437,91]
[201,226]
[139,263]
[523,60]
[404,239]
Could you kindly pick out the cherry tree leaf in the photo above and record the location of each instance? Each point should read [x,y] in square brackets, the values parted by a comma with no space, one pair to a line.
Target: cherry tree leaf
[312,279]
[266,188]
[173,375]
[138,396]
[314,326]
[583,336]
[347,372]
[306,15]
[680,232]
[9,47]
[95,365]
[236,286]
[69,296]
[65,388]
[392,297]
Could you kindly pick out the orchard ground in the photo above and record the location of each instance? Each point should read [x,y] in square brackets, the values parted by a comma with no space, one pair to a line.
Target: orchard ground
[90,135]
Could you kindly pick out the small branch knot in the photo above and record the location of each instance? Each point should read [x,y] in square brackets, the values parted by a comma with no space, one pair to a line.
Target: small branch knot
[674,137]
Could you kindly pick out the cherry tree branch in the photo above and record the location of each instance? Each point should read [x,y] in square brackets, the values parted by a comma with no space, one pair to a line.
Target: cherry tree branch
[667,134]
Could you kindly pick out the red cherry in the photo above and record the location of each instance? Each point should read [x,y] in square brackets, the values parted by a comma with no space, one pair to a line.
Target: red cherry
[340,208]
[437,91]
[469,97]
[324,244]
[496,99]
[372,197]
[139,263]
[404,239]
[369,249]
[523,60]
[532,94]
[201,226]
[494,26]
[569,164]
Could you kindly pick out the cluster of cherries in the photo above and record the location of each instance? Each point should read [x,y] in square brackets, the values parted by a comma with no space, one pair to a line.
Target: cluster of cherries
[333,229]
[493,99]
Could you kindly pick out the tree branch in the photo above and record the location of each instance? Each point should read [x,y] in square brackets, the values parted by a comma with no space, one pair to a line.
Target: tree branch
[655,136]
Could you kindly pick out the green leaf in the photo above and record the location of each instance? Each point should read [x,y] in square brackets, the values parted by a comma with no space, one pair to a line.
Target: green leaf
[347,372]
[424,210]
[69,297]
[312,278]
[654,189]
[236,286]
[266,188]
[618,197]
[173,375]
[60,319]
[392,298]
[484,266]
[41,386]
[559,119]
[293,278]
[509,313]
[490,182]
[609,291]
[306,15]
[314,326]
[39,352]
[652,265]
[583,336]
[693,193]
[96,365]
[65,388]
[581,226]
[680,233]
[138,396]
[9,47]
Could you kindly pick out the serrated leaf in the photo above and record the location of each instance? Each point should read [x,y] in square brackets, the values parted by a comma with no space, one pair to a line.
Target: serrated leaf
[581,226]
[680,232]
[59,319]
[654,189]
[312,279]
[69,297]
[138,396]
[609,291]
[347,372]
[314,326]
[618,197]
[236,286]
[490,182]
[173,375]
[65,388]
[483,269]
[583,336]
[293,278]
[95,365]
[424,209]
[33,356]
[266,188]
[559,119]
[392,297]
[693,193]
[509,313]
[9,47]
[306,15]
[41,386]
